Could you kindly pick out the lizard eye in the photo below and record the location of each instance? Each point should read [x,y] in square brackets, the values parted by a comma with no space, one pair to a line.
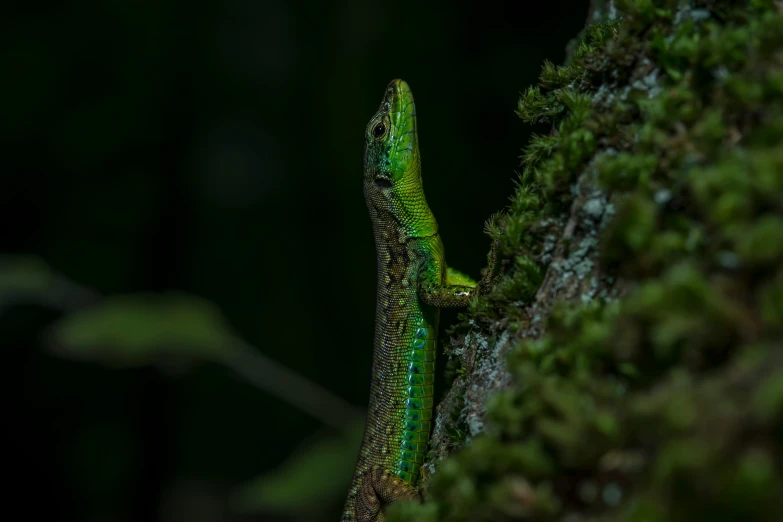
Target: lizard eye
[379,131]
[382,183]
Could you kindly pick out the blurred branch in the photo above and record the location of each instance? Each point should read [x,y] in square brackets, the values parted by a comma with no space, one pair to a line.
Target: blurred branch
[142,330]
[285,384]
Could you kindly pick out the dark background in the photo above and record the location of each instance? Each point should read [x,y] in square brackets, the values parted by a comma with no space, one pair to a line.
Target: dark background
[215,148]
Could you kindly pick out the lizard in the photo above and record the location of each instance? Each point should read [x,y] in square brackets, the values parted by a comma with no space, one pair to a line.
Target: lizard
[414,283]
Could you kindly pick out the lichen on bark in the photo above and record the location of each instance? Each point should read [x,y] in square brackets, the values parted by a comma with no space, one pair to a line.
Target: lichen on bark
[629,364]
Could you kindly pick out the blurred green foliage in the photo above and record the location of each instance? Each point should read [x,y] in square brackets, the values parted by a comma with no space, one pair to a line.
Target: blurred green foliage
[128,331]
[304,483]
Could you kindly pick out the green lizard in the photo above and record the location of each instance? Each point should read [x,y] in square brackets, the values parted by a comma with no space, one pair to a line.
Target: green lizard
[413,284]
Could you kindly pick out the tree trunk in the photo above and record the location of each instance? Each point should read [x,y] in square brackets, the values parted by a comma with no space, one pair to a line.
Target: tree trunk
[629,364]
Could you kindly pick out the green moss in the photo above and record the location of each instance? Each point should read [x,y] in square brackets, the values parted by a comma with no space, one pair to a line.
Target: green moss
[760,243]
[653,392]
[771,303]
[555,76]
[592,38]
[458,428]
[625,171]
[632,232]
[534,107]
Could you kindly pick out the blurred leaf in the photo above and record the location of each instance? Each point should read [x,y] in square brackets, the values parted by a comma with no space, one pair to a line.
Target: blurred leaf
[173,328]
[310,479]
[22,273]
[136,330]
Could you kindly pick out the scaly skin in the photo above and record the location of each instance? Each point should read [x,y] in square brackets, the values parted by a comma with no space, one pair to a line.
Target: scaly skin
[413,284]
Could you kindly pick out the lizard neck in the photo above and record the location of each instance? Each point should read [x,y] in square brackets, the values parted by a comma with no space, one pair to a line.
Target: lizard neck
[399,219]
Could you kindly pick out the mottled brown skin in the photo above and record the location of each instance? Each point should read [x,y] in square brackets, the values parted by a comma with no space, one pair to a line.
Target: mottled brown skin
[413,284]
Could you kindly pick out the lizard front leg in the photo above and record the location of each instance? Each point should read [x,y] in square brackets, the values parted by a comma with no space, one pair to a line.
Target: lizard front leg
[458,288]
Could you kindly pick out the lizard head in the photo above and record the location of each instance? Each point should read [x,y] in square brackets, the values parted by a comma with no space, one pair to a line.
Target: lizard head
[392,168]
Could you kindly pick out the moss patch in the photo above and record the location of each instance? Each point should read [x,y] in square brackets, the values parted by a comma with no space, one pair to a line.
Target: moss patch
[641,319]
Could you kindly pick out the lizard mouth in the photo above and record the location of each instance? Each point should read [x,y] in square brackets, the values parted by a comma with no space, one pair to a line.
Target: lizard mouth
[398,95]
[398,101]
